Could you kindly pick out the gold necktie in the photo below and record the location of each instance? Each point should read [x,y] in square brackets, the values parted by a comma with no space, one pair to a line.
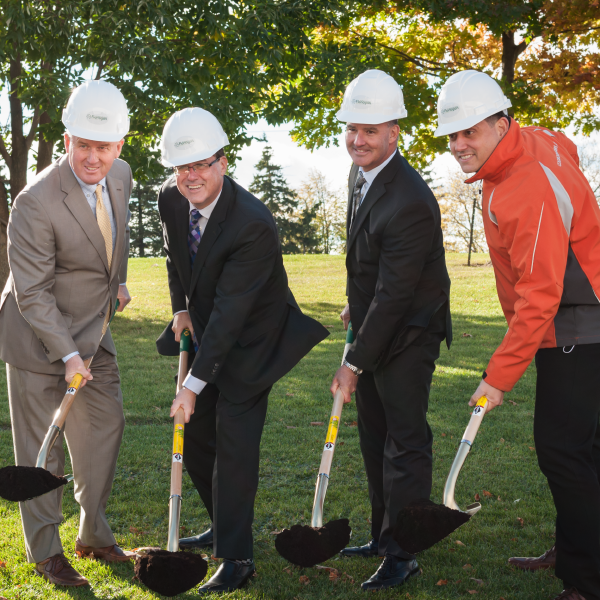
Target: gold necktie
[104,224]
[106,230]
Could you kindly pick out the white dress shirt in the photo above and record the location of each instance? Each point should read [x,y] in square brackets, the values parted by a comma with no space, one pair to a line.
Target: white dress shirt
[89,191]
[370,175]
[193,383]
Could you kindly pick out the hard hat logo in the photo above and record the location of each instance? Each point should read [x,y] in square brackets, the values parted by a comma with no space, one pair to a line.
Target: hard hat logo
[372,98]
[451,109]
[185,142]
[97,117]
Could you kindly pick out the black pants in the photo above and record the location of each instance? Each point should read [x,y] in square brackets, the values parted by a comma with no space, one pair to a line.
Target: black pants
[221,453]
[567,440]
[395,438]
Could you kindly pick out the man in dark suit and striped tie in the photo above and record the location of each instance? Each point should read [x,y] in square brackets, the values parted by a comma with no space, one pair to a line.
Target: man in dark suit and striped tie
[228,285]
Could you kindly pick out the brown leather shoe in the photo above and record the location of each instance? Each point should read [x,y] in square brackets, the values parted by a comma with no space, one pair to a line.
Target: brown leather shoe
[569,594]
[109,553]
[545,561]
[58,570]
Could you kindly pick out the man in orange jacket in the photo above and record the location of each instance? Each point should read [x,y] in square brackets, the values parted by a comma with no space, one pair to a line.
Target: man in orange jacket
[542,225]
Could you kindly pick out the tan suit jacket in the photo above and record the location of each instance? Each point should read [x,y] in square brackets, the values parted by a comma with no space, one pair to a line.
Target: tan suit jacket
[60,287]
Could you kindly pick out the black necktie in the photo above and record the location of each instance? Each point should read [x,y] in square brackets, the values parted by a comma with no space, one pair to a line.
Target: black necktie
[356,196]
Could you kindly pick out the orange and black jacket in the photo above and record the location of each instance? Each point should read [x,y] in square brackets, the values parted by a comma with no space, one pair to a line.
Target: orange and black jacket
[542,225]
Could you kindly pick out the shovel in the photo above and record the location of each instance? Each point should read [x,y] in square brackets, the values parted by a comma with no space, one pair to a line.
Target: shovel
[170,572]
[423,523]
[19,483]
[307,546]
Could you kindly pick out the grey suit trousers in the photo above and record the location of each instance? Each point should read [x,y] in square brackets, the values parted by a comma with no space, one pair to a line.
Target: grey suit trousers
[93,430]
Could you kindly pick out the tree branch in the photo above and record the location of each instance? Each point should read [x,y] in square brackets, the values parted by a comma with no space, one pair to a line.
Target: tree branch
[4,153]
[101,65]
[35,121]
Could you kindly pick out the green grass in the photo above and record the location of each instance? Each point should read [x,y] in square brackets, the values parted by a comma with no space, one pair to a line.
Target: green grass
[502,462]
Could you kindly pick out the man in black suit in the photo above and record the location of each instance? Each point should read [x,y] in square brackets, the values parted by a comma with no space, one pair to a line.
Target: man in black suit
[398,302]
[228,285]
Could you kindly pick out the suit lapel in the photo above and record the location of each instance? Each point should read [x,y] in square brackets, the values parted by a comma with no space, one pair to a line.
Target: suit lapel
[212,230]
[179,241]
[77,204]
[117,200]
[351,182]
[374,193]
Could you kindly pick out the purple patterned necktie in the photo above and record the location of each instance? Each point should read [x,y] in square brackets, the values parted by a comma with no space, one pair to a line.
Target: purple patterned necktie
[195,234]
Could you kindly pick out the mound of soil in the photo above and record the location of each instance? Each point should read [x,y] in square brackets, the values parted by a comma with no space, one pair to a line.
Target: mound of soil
[170,573]
[424,523]
[307,546]
[23,483]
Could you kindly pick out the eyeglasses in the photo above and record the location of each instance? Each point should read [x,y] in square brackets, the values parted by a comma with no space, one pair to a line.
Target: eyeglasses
[197,168]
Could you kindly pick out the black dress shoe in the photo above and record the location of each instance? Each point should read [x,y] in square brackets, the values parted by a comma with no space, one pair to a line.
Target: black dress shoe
[392,571]
[366,551]
[231,575]
[203,540]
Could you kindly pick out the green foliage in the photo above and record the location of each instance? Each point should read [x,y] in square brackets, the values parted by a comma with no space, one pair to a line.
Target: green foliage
[145,228]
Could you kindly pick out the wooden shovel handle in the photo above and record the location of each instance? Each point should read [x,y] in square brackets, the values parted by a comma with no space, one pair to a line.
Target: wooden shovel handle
[332,432]
[179,422]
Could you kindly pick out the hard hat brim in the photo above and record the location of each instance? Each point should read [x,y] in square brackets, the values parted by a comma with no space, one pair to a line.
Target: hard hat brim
[470,121]
[94,136]
[348,116]
[190,158]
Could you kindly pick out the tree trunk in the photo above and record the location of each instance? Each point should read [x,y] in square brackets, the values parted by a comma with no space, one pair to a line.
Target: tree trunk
[3,239]
[45,148]
[141,231]
[510,54]
[18,167]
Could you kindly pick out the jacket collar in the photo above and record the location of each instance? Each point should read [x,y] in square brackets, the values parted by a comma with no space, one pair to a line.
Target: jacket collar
[213,228]
[505,154]
[374,193]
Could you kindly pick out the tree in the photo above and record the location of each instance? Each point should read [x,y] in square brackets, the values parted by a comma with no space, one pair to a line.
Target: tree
[589,161]
[145,228]
[271,187]
[228,56]
[329,212]
[549,69]
[462,222]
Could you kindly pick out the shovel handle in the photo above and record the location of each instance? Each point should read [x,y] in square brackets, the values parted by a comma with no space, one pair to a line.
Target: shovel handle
[479,411]
[179,419]
[332,432]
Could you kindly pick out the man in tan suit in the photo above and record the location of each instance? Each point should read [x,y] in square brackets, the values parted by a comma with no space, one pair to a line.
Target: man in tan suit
[68,242]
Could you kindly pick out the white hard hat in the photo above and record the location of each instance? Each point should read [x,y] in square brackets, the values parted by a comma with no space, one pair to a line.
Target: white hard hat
[372,98]
[189,135]
[467,98]
[97,111]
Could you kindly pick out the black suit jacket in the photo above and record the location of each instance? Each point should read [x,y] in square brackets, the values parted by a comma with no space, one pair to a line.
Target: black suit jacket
[397,276]
[249,327]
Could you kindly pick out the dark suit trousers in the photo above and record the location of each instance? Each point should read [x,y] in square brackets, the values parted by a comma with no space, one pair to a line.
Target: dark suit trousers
[221,454]
[395,438]
[567,441]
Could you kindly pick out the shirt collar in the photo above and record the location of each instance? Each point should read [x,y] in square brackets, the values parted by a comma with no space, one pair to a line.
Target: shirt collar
[89,187]
[207,210]
[370,175]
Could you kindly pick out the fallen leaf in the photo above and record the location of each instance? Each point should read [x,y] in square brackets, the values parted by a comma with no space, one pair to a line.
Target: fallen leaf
[137,531]
[213,557]
[275,532]
[304,579]
[501,598]
[467,335]
[521,521]
[204,556]
[479,581]
[459,543]
[471,591]
[316,423]
[328,326]
[487,494]
[513,539]
[467,566]
[531,447]
[290,427]
[2,564]
[458,581]
[443,435]
[513,402]
[451,549]
[340,443]
[442,582]
[499,499]
[352,424]
[291,395]
[477,498]
[348,576]
[288,571]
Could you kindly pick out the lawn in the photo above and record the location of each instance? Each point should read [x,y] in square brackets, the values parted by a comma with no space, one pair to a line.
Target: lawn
[517,518]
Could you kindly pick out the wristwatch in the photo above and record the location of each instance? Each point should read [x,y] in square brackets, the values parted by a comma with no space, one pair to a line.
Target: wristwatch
[354,369]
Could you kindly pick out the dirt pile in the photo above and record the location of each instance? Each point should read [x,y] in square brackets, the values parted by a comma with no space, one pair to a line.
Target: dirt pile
[307,546]
[23,483]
